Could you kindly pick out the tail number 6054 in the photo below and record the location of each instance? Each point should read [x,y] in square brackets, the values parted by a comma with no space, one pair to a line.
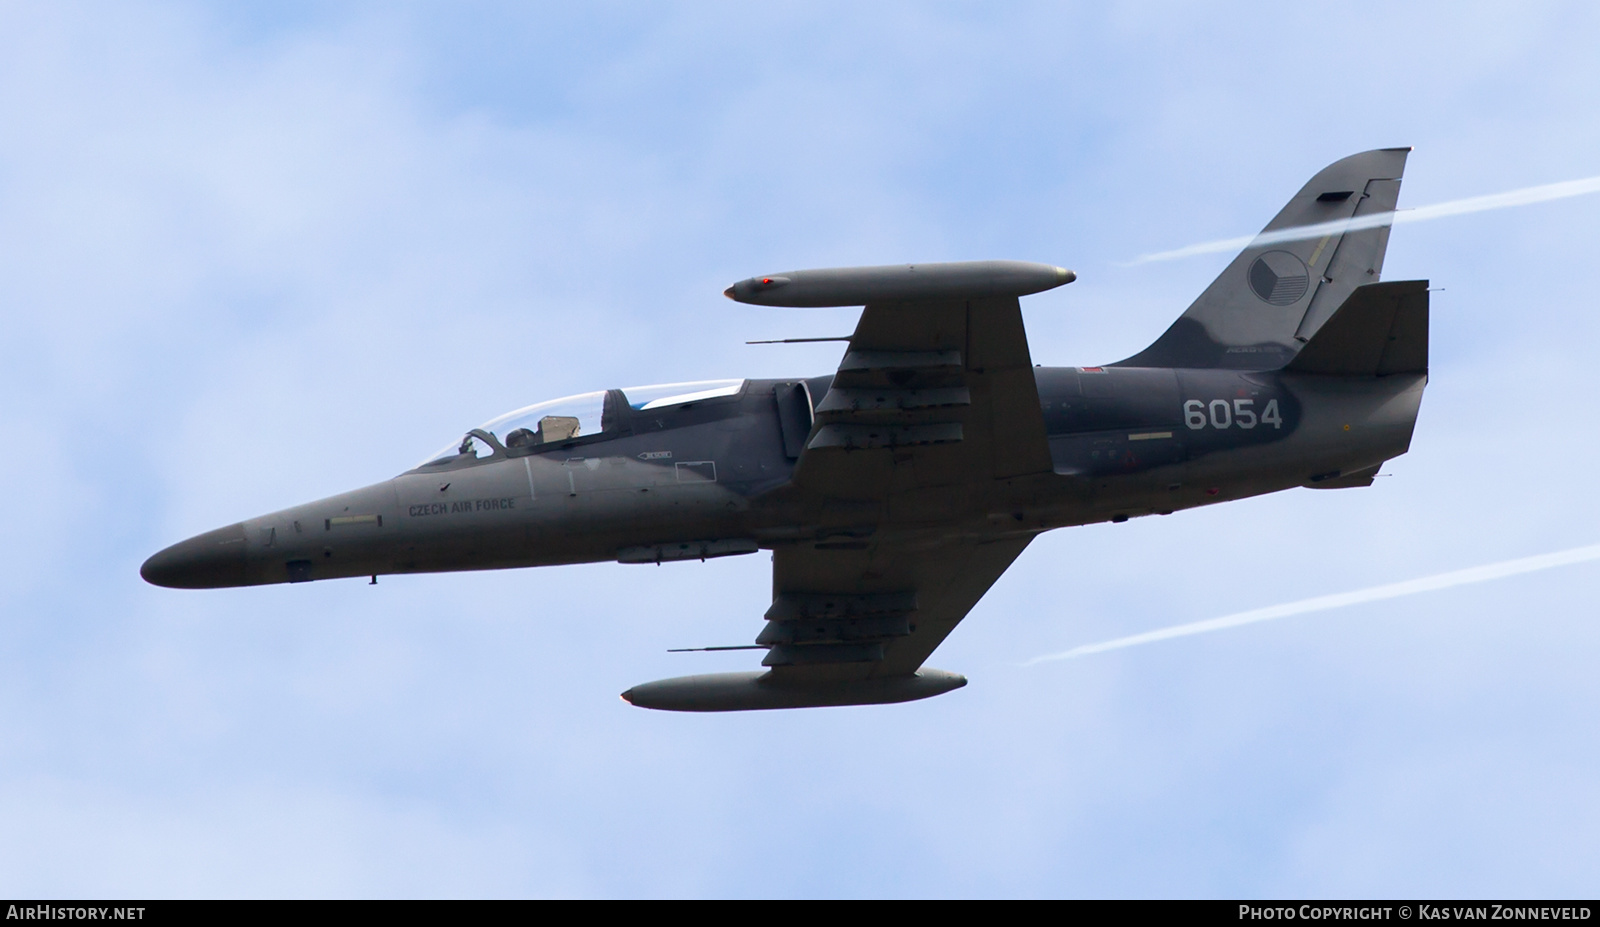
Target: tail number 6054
[1220,413]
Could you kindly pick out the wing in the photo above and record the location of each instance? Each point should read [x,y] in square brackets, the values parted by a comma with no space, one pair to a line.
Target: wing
[877,611]
[931,420]
[911,484]
[913,488]
[929,394]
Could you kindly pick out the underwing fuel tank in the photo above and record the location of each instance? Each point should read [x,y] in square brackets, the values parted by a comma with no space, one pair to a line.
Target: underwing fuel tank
[757,689]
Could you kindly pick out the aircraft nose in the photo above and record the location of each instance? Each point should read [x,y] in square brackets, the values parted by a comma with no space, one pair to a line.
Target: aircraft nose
[206,561]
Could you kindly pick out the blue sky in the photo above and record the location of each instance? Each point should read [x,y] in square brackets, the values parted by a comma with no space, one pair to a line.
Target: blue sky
[252,255]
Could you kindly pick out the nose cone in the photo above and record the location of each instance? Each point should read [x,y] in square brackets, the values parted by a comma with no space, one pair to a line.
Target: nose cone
[207,561]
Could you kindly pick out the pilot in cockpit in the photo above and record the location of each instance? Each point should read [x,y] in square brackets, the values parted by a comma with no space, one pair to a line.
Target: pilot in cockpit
[551,428]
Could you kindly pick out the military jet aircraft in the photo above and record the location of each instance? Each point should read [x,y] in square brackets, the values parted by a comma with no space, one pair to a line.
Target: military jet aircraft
[895,491]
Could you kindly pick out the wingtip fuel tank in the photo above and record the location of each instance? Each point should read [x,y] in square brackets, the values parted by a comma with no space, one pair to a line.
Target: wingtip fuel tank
[857,286]
[758,690]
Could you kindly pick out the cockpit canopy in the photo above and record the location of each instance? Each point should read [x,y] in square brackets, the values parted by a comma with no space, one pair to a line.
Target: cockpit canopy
[572,417]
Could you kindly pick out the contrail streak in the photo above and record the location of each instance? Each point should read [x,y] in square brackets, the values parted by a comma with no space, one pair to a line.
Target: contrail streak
[1522,197]
[1477,574]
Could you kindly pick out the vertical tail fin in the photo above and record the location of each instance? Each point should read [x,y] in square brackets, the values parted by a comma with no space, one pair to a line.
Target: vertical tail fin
[1276,293]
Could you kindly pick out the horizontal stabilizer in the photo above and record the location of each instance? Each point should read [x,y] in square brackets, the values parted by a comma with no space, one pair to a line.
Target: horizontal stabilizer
[758,690]
[858,286]
[1381,329]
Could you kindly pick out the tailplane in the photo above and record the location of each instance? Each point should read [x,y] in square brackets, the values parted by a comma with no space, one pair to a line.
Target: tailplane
[1381,330]
[1277,293]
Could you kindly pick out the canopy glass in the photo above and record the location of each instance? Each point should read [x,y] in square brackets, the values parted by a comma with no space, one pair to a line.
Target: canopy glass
[577,416]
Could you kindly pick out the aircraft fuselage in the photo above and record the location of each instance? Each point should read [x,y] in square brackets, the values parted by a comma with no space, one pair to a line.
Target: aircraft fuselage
[713,478]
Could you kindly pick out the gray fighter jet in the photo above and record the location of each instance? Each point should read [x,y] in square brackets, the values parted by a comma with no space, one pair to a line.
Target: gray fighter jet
[895,491]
